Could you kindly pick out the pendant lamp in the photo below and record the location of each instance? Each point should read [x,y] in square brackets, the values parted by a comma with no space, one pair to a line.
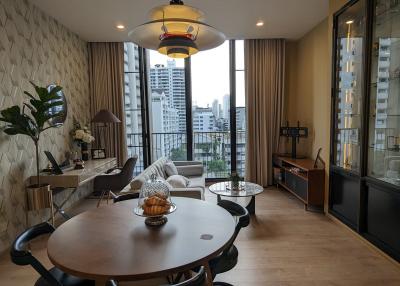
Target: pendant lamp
[176,30]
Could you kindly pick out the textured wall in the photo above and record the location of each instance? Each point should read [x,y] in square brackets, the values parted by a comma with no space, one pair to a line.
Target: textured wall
[33,46]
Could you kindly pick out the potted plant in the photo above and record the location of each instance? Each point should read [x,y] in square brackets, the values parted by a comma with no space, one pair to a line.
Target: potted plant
[31,121]
[235,179]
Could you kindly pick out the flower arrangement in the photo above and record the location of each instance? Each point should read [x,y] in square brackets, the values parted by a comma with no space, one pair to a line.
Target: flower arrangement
[82,134]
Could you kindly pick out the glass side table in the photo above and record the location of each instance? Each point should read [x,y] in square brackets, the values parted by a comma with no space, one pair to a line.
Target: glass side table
[246,189]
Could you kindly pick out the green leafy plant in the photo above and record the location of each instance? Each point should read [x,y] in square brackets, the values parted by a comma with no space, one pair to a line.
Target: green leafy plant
[235,179]
[32,124]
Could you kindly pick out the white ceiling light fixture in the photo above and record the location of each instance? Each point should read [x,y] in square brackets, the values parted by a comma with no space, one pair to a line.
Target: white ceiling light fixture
[176,30]
[120,27]
[260,23]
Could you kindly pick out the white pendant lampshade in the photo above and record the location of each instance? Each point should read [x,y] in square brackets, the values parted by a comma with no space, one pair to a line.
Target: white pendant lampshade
[176,30]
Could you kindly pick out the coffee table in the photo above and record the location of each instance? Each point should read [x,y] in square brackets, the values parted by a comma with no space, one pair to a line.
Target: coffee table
[246,189]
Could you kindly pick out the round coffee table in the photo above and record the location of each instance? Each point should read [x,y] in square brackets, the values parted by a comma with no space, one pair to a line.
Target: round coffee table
[246,189]
[111,242]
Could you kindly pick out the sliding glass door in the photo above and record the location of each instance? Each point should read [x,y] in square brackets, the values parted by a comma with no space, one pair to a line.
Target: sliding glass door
[211,110]
[187,109]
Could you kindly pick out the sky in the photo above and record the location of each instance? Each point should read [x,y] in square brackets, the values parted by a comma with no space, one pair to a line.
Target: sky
[210,73]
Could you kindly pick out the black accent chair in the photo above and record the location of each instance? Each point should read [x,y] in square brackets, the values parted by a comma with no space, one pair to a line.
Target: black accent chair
[228,259]
[112,184]
[20,255]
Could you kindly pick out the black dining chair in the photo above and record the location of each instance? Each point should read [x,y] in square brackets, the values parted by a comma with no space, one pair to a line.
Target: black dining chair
[112,184]
[20,255]
[228,259]
[198,279]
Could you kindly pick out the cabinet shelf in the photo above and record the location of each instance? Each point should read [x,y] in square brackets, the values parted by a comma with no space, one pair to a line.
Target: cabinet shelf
[384,149]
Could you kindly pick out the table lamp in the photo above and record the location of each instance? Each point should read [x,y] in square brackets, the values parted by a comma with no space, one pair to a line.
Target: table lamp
[104,116]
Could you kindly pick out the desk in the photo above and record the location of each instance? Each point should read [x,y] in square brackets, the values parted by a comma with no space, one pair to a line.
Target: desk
[74,178]
[111,242]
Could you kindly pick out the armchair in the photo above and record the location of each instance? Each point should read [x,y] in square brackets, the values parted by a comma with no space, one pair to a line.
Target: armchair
[111,183]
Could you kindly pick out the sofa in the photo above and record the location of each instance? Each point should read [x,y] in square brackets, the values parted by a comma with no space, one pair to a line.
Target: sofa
[192,170]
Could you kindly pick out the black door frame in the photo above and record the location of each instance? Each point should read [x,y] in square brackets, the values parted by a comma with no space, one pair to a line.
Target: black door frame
[144,93]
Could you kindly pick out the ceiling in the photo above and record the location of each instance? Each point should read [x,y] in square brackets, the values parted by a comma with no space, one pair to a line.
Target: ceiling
[95,20]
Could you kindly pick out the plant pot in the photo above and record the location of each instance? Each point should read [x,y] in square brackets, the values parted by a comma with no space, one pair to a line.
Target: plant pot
[235,185]
[84,151]
[39,197]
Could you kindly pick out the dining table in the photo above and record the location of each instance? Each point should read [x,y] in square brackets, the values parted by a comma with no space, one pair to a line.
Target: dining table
[113,243]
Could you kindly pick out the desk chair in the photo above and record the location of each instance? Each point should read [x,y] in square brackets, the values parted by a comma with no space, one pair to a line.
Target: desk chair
[20,255]
[112,184]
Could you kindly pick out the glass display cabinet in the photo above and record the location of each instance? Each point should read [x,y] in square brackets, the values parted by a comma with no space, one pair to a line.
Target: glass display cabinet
[348,97]
[384,113]
[365,137]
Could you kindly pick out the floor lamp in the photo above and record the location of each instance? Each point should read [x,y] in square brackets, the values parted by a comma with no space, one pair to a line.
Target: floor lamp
[104,116]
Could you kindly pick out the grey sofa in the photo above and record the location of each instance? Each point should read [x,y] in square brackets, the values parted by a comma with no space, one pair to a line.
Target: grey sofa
[193,170]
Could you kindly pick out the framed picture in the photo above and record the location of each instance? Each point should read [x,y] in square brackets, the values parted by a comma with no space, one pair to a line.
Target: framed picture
[98,153]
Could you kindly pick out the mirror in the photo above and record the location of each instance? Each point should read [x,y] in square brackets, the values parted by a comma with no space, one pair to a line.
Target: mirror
[60,108]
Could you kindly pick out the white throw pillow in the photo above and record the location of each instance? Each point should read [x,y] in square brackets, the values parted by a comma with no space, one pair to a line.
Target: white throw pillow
[170,169]
[178,181]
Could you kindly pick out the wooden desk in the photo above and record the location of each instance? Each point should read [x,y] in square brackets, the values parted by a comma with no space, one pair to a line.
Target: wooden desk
[72,179]
[111,242]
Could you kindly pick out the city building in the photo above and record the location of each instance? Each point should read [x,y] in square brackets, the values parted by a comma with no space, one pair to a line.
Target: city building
[171,79]
[241,118]
[225,106]
[203,119]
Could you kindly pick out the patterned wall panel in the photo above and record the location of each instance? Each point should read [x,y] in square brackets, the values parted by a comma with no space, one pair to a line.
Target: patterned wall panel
[34,46]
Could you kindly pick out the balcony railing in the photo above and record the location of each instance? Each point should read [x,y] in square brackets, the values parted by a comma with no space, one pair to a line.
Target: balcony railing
[211,148]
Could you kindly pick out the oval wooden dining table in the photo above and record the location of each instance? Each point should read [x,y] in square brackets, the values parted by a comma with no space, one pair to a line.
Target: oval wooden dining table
[111,242]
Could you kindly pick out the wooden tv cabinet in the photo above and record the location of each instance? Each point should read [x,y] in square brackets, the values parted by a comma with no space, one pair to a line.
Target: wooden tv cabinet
[301,178]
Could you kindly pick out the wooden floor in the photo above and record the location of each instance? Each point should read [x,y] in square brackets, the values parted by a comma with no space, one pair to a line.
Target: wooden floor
[284,245]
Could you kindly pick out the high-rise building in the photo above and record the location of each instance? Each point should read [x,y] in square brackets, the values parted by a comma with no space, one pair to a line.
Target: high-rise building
[165,121]
[171,79]
[349,101]
[382,92]
[203,119]
[215,109]
[225,106]
[132,89]
[240,118]
[132,103]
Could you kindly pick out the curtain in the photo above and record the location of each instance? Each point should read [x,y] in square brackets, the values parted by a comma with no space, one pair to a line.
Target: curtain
[264,72]
[106,80]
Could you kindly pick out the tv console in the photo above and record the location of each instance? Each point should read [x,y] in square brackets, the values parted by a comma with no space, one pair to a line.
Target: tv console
[302,178]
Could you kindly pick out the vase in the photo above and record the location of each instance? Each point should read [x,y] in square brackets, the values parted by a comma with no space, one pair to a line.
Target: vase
[84,151]
[40,197]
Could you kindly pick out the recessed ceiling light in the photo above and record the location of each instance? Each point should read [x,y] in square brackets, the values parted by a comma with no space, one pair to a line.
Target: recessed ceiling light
[120,27]
[349,22]
[260,23]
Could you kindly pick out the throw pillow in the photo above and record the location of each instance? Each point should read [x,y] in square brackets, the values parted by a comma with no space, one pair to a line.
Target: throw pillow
[178,181]
[170,169]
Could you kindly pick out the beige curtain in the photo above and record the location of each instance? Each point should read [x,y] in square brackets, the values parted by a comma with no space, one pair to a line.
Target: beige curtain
[106,76]
[264,72]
